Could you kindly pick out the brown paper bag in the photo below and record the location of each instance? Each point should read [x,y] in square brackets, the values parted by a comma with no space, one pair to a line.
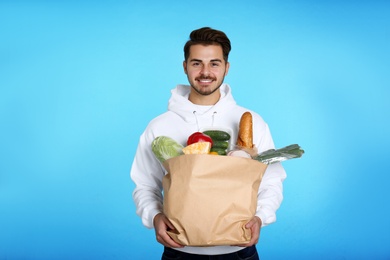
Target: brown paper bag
[210,198]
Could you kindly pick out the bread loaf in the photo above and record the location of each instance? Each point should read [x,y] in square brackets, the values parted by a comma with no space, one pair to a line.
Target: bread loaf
[245,131]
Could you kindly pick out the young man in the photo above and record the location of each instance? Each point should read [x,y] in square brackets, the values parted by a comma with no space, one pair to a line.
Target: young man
[206,102]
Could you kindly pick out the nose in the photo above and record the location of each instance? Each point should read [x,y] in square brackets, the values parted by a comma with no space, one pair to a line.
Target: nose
[205,71]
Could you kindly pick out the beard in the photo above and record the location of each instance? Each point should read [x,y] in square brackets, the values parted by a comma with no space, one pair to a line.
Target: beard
[206,91]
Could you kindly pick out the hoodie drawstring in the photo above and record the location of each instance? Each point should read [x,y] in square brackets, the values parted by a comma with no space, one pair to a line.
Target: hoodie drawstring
[196,118]
[212,122]
[197,122]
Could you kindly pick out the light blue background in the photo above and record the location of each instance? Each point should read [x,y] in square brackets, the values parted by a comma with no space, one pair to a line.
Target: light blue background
[80,80]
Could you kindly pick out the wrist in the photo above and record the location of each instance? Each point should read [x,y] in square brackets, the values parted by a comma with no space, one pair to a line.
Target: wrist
[155,218]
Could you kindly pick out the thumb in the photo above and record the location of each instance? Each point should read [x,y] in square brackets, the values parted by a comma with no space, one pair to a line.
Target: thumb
[168,223]
[250,223]
[253,222]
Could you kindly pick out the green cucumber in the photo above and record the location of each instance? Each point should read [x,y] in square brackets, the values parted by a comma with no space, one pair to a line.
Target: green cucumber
[220,144]
[220,151]
[217,135]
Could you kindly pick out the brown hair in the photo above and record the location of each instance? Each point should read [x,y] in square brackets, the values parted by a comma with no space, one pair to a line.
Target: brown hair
[208,36]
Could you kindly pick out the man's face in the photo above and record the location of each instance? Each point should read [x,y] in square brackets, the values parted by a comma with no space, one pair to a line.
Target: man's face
[206,69]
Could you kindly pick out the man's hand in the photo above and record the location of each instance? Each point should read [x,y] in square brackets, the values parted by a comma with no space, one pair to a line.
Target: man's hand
[161,225]
[255,226]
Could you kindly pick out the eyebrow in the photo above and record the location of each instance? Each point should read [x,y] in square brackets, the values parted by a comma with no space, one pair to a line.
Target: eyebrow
[213,60]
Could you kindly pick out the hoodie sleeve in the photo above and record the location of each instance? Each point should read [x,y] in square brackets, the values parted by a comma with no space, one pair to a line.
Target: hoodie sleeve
[270,194]
[147,174]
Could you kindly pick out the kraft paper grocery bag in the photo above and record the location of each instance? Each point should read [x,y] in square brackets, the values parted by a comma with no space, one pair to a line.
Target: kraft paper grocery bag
[210,198]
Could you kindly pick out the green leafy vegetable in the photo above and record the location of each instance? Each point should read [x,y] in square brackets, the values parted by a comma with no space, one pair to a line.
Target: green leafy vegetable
[279,155]
[165,148]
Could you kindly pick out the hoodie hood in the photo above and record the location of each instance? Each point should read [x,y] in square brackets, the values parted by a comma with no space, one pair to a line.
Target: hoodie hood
[192,113]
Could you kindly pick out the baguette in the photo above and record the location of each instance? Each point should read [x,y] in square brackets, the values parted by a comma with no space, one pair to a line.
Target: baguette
[245,131]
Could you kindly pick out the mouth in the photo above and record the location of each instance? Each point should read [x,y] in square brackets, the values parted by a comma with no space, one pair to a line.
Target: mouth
[205,80]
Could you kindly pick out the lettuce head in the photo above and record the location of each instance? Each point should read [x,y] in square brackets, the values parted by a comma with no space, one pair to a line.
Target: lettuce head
[165,148]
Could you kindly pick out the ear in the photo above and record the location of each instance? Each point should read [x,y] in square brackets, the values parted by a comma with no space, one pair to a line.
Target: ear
[185,67]
[227,68]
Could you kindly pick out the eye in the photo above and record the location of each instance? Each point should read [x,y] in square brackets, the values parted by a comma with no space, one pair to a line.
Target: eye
[215,64]
[196,64]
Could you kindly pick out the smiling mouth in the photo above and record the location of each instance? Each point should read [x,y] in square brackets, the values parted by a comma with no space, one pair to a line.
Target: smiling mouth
[207,80]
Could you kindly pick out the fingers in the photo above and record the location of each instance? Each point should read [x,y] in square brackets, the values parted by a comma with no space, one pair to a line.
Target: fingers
[164,239]
[161,225]
[254,225]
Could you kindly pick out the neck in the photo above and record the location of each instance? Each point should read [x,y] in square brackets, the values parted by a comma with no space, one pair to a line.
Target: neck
[203,100]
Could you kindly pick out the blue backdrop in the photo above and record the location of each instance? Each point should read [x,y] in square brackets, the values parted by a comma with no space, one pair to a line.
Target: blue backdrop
[80,80]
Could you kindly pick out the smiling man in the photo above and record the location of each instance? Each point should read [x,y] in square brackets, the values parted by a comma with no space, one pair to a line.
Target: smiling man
[206,103]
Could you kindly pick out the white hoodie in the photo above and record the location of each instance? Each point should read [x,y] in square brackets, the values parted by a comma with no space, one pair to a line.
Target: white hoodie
[181,120]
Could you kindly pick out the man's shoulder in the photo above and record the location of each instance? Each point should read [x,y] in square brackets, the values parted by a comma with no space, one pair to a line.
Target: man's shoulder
[162,119]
